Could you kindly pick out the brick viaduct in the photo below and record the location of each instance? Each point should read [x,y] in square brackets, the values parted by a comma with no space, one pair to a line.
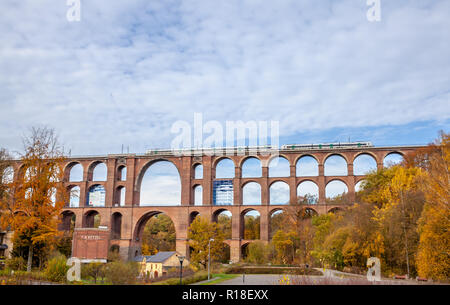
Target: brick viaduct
[126,222]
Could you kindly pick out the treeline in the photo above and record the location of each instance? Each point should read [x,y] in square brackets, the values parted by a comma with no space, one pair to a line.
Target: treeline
[401,216]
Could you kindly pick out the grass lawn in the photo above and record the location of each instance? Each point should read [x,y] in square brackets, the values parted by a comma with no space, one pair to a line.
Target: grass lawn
[220,277]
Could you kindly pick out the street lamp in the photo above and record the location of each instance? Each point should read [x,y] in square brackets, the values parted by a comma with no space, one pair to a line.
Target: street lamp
[209,255]
[181,258]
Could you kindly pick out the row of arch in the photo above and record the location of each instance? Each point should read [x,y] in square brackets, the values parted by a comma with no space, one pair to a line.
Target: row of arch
[250,222]
[279,192]
[307,165]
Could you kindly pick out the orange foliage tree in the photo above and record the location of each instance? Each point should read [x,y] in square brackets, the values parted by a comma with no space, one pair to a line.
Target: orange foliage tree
[37,195]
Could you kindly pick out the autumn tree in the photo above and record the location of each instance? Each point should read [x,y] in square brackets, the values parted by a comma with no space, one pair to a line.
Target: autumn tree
[159,235]
[38,194]
[433,258]
[200,232]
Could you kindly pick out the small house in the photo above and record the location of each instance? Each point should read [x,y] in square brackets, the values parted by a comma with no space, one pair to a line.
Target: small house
[157,265]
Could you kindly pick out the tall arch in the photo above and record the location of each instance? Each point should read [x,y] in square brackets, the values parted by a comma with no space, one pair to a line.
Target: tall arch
[251,168]
[250,224]
[75,172]
[279,167]
[160,184]
[335,188]
[223,218]
[225,169]
[98,171]
[307,166]
[91,219]
[116,225]
[122,173]
[335,165]
[74,196]
[68,219]
[251,193]
[198,195]
[96,196]
[120,196]
[138,233]
[392,158]
[8,175]
[198,171]
[277,221]
[363,164]
[279,193]
[310,190]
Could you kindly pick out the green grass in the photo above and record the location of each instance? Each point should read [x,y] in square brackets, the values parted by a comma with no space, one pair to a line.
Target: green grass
[220,277]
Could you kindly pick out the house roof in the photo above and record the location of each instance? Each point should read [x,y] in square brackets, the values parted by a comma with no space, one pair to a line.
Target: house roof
[159,257]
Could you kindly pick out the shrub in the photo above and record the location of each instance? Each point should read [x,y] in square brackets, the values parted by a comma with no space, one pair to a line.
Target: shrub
[122,273]
[16,263]
[56,270]
[258,252]
[93,270]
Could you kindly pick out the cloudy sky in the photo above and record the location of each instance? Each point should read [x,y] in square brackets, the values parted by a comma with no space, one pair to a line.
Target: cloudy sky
[129,69]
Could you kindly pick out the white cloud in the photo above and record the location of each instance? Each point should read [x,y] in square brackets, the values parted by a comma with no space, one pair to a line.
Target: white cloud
[130,69]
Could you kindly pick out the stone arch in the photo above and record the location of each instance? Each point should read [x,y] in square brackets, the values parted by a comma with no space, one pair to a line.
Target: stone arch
[140,224]
[198,194]
[308,187]
[332,189]
[248,171]
[163,186]
[358,185]
[74,196]
[361,164]
[244,249]
[91,219]
[115,249]
[122,173]
[335,210]
[116,225]
[256,215]
[226,226]
[143,170]
[251,193]
[279,192]
[97,171]
[310,212]
[228,173]
[198,170]
[192,216]
[311,169]
[342,169]
[373,155]
[273,214]
[388,162]
[7,174]
[70,172]
[96,196]
[120,195]
[68,220]
[277,170]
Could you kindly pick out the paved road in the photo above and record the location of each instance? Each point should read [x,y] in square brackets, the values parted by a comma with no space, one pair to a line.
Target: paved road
[254,279]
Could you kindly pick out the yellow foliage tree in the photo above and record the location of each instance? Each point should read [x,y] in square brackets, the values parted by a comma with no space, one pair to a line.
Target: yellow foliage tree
[433,258]
[30,210]
[200,232]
